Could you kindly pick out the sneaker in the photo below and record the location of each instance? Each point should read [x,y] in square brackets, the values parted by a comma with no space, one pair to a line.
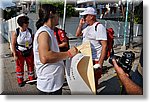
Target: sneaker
[31,82]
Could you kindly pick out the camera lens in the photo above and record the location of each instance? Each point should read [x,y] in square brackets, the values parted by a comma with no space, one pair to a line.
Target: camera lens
[125,62]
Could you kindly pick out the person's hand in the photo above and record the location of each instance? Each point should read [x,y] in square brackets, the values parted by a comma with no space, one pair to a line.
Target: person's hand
[118,69]
[97,66]
[15,57]
[82,22]
[72,52]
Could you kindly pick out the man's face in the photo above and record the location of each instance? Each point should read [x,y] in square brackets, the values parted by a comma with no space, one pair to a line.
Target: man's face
[85,17]
[88,18]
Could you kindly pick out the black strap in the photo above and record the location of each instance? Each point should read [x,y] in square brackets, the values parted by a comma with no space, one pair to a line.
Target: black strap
[17,32]
[56,30]
[30,31]
[96,26]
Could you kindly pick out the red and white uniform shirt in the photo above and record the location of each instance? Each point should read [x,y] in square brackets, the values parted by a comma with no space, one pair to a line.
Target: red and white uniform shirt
[61,36]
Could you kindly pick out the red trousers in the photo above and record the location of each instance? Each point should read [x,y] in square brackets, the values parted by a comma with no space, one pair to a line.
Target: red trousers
[20,67]
[97,74]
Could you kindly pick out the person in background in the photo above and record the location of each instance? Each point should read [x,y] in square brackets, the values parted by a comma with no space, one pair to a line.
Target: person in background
[22,48]
[62,39]
[47,56]
[96,34]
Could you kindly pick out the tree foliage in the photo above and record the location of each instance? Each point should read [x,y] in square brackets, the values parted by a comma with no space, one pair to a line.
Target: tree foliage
[8,14]
[70,11]
[138,14]
[138,18]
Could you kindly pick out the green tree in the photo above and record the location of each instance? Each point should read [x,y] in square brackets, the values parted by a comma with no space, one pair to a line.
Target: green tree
[70,11]
[138,14]
[138,18]
[9,14]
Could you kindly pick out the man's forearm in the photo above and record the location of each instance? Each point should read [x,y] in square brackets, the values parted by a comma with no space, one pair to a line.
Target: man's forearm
[130,86]
[78,31]
[102,57]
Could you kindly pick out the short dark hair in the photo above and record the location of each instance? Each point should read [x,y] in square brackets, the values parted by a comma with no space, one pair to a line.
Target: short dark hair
[22,19]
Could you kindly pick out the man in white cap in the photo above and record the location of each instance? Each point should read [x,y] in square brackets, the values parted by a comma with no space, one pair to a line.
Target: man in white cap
[96,34]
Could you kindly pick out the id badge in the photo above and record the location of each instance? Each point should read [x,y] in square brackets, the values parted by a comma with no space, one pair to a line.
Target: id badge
[27,44]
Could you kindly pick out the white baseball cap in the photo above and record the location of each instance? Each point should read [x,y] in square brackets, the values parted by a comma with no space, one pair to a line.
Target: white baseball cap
[89,10]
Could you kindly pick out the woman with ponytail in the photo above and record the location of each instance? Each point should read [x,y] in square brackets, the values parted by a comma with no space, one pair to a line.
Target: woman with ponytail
[47,57]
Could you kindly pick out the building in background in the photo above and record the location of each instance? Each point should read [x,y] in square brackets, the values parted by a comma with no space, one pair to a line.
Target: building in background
[104,7]
[26,6]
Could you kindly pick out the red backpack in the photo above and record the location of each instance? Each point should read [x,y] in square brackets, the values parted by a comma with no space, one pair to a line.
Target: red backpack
[110,41]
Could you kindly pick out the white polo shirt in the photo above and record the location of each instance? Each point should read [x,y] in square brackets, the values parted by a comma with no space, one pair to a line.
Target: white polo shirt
[94,37]
[50,76]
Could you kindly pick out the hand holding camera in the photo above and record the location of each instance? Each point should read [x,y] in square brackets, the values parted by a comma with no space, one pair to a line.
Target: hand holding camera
[125,62]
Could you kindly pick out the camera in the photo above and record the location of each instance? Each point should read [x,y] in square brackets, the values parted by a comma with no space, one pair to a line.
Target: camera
[125,62]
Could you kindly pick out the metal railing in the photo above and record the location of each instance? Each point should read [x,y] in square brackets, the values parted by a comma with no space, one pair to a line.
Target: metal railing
[71,26]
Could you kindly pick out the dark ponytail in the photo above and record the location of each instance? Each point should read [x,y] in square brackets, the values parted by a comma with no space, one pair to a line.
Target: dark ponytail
[39,23]
[45,12]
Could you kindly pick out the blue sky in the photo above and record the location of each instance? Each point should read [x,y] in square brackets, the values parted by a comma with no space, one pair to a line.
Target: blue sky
[6,3]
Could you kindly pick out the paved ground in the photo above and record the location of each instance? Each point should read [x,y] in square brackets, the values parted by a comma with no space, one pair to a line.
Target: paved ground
[108,84]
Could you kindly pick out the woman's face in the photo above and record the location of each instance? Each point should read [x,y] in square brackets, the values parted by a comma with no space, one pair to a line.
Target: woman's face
[55,20]
[25,25]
